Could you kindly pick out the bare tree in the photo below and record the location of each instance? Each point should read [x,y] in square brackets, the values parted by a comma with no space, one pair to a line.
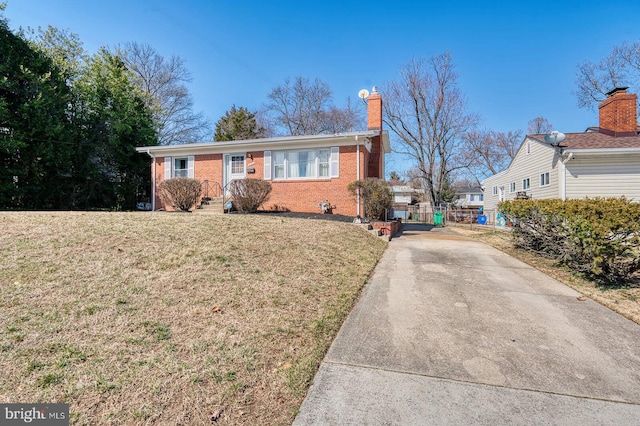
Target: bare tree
[539,126]
[428,114]
[488,152]
[164,81]
[303,107]
[620,68]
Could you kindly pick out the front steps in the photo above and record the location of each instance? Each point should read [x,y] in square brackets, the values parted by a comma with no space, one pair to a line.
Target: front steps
[210,205]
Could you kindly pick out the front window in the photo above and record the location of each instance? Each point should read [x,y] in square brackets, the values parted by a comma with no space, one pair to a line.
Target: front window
[544,179]
[512,187]
[237,164]
[278,164]
[324,160]
[180,167]
[304,164]
[481,197]
[526,184]
[495,190]
[471,197]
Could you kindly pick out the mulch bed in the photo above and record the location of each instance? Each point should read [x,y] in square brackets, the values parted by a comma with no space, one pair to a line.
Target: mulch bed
[318,216]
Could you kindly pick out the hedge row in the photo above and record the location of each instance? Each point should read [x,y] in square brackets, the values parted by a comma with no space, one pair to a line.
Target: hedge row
[599,237]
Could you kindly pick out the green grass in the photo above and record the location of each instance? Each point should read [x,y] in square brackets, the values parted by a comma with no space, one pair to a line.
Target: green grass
[139,318]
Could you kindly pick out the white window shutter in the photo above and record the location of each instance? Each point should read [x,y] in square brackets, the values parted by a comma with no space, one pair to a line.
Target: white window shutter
[267,165]
[335,162]
[167,168]
[190,166]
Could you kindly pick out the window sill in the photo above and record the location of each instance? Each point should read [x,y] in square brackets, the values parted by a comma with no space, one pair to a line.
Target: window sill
[302,180]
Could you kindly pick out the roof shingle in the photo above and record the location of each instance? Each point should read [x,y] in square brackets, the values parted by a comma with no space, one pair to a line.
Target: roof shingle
[594,140]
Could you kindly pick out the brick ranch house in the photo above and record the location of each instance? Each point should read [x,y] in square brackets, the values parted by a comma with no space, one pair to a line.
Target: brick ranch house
[303,170]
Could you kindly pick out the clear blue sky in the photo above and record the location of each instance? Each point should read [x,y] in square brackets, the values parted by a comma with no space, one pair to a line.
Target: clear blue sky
[516,60]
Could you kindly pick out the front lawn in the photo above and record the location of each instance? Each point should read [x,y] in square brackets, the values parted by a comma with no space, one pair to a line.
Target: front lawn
[169,318]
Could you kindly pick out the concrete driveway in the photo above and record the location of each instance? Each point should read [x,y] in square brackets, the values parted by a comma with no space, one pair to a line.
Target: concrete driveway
[452,331]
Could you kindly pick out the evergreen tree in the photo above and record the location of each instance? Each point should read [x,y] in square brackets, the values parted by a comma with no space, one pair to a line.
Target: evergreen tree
[237,124]
[116,122]
[36,135]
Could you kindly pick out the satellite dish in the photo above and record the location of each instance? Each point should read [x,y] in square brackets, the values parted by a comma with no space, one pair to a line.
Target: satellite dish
[363,94]
[554,138]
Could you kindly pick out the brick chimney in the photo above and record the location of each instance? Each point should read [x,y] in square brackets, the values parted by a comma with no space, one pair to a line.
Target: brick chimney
[374,110]
[618,115]
[374,122]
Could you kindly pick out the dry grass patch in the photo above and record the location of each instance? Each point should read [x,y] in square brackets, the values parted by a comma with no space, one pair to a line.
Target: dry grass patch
[139,318]
[623,299]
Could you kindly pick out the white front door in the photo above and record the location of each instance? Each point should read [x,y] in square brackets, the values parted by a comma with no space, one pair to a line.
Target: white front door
[234,168]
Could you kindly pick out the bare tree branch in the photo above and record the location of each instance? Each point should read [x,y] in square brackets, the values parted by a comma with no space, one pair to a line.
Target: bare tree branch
[428,114]
[595,79]
[303,107]
[164,81]
[539,126]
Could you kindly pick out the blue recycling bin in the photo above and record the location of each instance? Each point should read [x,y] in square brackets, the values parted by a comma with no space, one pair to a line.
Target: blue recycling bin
[482,220]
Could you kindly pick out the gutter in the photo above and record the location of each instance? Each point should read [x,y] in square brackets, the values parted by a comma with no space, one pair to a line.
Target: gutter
[603,151]
[358,175]
[290,142]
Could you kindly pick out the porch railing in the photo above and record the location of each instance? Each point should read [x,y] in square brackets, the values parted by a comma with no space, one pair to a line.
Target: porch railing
[213,189]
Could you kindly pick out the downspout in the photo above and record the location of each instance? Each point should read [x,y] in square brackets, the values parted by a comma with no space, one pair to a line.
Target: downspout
[153,182]
[358,175]
[563,176]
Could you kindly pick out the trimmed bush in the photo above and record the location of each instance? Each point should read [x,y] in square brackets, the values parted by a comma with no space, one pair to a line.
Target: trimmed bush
[599,237]
[180,193]
[249,194]
[376,195]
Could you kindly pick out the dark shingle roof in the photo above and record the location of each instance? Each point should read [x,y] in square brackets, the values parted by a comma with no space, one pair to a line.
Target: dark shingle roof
[594,140]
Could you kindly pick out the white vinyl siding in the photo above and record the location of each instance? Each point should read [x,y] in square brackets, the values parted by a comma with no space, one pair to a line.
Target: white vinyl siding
[604,176]
[540,159]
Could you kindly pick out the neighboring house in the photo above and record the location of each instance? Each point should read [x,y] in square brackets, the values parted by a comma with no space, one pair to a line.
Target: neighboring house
[469,198]
[403,194]
[601,162]
[304,171]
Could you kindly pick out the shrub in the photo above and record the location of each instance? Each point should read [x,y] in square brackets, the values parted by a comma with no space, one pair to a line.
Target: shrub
[376,195]
[599,237]
[249,194]
[180,193]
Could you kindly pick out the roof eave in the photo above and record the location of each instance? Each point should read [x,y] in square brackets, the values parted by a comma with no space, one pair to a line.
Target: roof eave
[338,139]
[602,151]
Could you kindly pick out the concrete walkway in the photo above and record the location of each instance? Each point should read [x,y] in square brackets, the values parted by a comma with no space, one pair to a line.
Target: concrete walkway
[452,331]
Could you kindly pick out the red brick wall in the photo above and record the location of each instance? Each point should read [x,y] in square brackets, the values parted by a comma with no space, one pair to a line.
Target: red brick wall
[304,195]
[618,115]
[294,195]
[375,160]
[209,167]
